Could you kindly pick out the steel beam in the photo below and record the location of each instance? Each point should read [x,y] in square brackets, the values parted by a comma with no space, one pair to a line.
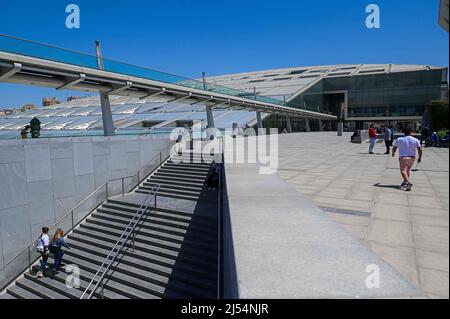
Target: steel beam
[16,67]
[120,89]
[80,79]
[163,90]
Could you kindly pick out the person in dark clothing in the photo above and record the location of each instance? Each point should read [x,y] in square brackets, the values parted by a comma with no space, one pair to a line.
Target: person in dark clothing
[56,248]
[388,139]
[424,135]
[212,179]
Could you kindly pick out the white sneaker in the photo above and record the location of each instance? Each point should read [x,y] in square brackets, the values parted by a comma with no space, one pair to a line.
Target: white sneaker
[40,274]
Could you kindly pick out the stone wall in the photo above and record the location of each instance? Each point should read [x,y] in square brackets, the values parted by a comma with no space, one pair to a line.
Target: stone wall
[43,179]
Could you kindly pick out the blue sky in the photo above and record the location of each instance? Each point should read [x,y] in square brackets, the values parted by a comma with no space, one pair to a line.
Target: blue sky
[187,37]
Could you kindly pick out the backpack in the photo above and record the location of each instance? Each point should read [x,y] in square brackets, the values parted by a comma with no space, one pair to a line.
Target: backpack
[39,243]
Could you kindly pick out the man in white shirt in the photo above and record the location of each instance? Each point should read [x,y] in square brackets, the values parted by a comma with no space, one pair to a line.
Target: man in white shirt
[43,244]
[407,146]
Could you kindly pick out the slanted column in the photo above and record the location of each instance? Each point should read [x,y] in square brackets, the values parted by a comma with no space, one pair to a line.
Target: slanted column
[320,126]
[308,128]
[259,123]
[340,128]
[258,120]
[288,124]
[108,126]
[210,132]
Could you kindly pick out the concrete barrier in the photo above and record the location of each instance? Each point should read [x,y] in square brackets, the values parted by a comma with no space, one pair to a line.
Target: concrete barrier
[42,179]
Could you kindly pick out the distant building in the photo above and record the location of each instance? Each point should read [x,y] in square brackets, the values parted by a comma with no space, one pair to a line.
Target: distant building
[49,101]
[28,107]
[71,98]
[382,93]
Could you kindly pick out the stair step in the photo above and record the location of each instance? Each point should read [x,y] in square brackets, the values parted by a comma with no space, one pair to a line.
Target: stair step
[193,198]
[152,252]
[139,270]
[174,184]
[113,290]
[164,184]
[183,178]
[21,293]
[177,208]
[176,180]
[135,260]
[129,211]
[38,289]
[115,230]
[56,286]
[125,219]
[151,290]
[6,296]
[141,252]
[194,164]
[166,189]
[153,218]
[181,173]
[167,229]
[187,168]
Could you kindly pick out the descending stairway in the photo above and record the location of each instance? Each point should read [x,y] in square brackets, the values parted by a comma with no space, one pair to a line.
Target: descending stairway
[175,252]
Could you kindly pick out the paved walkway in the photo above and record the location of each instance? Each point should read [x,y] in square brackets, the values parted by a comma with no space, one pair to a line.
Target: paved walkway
[409,230]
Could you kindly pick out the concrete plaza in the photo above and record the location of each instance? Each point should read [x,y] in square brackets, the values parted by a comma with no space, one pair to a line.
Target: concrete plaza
[409,230]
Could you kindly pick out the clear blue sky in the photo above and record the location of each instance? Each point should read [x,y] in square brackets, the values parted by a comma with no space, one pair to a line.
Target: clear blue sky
[187,37]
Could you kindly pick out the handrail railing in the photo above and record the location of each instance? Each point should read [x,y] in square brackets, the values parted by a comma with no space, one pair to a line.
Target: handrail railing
[28,249]
[118,247]
[219,222]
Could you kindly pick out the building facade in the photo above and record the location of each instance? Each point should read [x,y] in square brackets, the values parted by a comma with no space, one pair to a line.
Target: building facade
[359,94]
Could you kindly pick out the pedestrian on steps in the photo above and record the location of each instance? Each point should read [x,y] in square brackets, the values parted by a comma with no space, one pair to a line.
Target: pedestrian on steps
[56,249]
[42,247]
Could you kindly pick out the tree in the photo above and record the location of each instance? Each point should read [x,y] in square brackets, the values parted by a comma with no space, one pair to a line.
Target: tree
[439,115]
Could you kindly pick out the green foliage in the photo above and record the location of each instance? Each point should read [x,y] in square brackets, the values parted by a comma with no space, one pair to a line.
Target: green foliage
[442,133]
[439,115]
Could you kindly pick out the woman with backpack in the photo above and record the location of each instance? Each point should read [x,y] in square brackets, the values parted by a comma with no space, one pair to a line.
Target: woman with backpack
[42,245]
[56,248]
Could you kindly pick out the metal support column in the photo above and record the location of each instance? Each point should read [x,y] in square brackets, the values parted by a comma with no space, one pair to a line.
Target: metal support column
[340,128]
[210,132]
[108,127]
[320,126]
[288,124]
[308,128]
[259,123]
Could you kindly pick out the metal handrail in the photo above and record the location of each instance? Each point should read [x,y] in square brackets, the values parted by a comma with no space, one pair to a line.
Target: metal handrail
[123,239]
[219,223]
[71,211]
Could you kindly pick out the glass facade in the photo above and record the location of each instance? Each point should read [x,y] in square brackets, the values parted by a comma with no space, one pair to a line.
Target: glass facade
[399,94]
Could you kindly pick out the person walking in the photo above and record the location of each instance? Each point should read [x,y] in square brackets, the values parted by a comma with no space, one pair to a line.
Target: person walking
[388,139]
[42,246]
[56,249]
[407,146]
[373,138]
[24,132]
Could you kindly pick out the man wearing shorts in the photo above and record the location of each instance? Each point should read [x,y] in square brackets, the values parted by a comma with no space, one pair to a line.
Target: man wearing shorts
[407,146]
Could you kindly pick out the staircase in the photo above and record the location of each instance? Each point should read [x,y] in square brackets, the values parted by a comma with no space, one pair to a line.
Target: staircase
[175,251]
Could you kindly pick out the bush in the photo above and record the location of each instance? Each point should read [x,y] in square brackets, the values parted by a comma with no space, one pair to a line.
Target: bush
[439,115]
